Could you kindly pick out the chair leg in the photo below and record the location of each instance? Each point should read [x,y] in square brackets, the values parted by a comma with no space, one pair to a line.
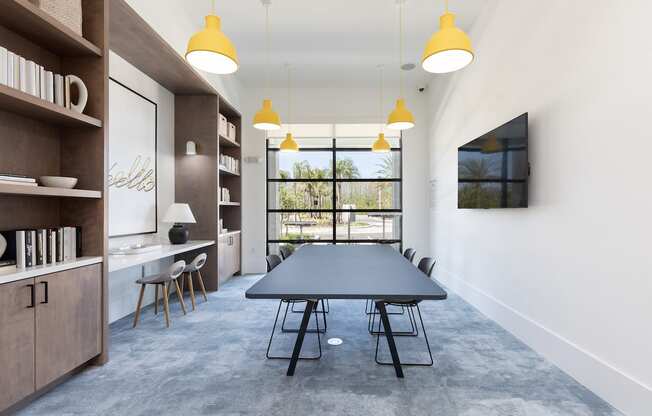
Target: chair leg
[269,345]
[166,306]
[140,302]
[180,296]
[201,285]
[191,290]
[288,309]
[425,335]
[155,299]
[414,329]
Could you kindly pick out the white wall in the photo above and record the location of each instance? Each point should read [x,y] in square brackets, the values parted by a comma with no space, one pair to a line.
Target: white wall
[331,105]
[571,274]
[123,293]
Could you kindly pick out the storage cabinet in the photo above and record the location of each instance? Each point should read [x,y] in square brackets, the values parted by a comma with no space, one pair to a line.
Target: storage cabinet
[228,255]
[16,341]
[68,321]
[49,325]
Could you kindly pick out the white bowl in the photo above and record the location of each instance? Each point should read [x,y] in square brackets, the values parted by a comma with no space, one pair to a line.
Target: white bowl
[58,182]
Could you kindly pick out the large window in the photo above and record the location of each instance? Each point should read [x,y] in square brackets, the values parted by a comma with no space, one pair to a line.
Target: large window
[334,190]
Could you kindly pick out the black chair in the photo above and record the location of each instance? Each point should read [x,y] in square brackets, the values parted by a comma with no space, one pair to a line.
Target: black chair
[409,254]
[285,252]
[273,261]
[426,265]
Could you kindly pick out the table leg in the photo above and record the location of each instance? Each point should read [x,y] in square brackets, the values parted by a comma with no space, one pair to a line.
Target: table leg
[390,338]
[310,306]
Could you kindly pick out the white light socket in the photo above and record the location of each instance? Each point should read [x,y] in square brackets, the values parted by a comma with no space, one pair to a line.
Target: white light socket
[191,148]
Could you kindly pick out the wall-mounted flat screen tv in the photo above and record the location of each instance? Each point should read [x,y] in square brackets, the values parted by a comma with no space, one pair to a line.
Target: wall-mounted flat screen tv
[493,169]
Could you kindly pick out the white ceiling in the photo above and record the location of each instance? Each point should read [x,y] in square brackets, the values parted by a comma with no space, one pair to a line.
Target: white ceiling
[330,42]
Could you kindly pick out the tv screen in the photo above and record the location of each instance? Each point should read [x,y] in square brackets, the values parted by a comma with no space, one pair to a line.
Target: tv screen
[493,169]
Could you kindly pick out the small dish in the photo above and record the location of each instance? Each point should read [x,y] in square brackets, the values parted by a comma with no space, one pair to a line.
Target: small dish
[58,182]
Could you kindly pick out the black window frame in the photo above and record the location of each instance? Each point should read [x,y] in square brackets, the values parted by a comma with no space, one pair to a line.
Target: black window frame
[333,210]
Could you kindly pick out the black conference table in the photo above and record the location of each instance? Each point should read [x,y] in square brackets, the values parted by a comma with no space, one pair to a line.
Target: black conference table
[317,272]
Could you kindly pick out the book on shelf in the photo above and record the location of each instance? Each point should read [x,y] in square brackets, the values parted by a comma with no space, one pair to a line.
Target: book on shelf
[15,178]
[10,69]
[44,246]
[3,65]
[5,182]
[22,71]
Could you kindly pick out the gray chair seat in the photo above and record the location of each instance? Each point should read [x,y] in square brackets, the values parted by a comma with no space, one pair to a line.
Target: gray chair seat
[191,268]
[155,279]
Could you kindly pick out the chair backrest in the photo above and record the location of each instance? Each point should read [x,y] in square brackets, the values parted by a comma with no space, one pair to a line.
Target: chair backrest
[273,260]
[409,254]
[176,269]
[285,252]
[426,265]
[199,261]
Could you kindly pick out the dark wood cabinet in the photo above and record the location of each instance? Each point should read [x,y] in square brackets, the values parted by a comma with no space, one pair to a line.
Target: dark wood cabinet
[68,321]
[49,325]
[16,341]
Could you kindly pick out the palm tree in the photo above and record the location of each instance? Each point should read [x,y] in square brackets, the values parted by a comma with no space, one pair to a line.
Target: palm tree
[344,169]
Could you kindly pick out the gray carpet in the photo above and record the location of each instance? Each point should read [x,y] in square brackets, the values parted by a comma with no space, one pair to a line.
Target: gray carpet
[212,362]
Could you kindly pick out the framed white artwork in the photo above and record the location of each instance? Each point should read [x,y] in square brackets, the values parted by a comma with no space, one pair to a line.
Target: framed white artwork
[132,162]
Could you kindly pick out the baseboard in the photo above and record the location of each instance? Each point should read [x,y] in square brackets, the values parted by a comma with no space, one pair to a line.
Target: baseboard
[622,391]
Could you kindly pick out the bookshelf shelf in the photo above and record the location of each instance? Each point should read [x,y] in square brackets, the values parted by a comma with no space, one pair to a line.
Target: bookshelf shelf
[16,101]
[227,142]
[47,191]
[12,274]
[228,172]
[229,204]
[34,24]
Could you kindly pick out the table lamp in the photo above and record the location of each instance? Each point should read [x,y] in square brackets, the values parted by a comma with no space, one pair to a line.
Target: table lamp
[179,214]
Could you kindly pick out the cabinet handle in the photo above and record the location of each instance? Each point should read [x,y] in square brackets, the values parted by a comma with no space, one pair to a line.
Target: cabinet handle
[32,295]
[46,298]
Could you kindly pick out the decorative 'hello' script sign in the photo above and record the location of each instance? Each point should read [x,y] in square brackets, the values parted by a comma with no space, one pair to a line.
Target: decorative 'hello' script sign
[140,176]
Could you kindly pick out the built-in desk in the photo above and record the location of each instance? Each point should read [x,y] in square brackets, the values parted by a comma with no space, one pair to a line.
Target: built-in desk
[124,261]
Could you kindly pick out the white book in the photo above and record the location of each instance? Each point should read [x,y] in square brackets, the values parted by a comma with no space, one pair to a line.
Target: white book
[58,90]
[73,239]
[49,86]
[20,249]
[3,65]
[3,182]
[16,179]
[10,69]
[68,237]
[16,71]
[31,72]
[22,77]
[41,78]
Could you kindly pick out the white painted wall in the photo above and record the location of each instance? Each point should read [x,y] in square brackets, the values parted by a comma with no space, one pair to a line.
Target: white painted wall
[123,293]
[570,275]
[332,105]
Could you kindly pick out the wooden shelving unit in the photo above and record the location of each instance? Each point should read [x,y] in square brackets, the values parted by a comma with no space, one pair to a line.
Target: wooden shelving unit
[18,102]
[229,204]
[226,142]
[38,138]
[47,191]
[227,172]
[27,20]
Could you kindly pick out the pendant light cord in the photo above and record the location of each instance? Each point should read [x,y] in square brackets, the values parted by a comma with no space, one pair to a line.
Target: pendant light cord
[380,102]
[289,99]
[400,48]
[213,7]
[446,3]
[267,47]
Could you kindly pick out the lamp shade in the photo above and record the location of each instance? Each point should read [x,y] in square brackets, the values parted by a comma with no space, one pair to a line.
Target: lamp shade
[401,118]
[289,145]
[381,145]
[179,214]
[211,50]
[449,49]
[266,118]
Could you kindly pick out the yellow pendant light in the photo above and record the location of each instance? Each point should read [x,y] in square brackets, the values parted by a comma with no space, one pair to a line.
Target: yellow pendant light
[449,49]
[211,50]
[381,145]
[266,118]
[289,145]
[400,118]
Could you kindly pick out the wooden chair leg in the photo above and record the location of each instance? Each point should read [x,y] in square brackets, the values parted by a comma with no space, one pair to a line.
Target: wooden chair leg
[201,285]
[155,299]
[166,307]
[192,291]
[140,302]
[183,306]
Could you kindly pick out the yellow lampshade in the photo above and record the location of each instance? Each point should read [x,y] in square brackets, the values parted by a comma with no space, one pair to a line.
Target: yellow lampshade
[401,118]
[266,118]
[381,145]
[289,145]
[449,49]
[211,50]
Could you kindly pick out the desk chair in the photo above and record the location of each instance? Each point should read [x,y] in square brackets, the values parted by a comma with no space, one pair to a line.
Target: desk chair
[163,280]
[273,261]
[369,307]
[426,265]
[409,254]
[194,267]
